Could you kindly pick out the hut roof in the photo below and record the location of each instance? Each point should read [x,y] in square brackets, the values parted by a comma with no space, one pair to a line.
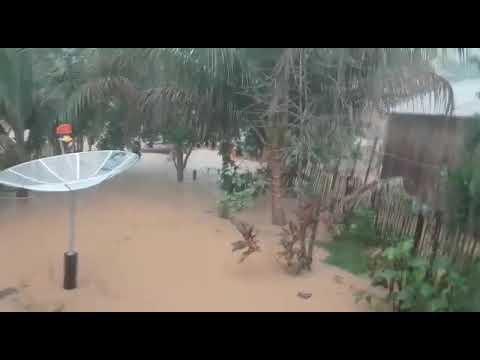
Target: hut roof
[418,147]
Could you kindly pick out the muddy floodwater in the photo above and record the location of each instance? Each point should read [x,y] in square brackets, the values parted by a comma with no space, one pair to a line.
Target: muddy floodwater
[147,243]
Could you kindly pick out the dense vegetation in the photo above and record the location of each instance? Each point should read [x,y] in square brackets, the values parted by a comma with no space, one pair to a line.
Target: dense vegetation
[295,106]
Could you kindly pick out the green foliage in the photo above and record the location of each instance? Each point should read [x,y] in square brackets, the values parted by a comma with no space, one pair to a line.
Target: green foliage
[416,285]
[233,181]
[113,138]
[240,188]
[179,135]
[360,226]
[236,201]
[348,254]
[470,301]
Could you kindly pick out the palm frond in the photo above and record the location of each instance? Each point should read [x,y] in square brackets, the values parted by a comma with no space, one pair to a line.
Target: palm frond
[98,91]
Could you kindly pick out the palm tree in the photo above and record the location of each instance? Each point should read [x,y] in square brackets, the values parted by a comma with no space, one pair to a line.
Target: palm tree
[197,95]
[295,84]
[97,86]
[300,84]
[16,92]
[147,89]
[307,84]
[24,104]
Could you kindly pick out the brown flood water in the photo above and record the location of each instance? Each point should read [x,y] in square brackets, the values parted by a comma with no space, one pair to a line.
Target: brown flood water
[146,243]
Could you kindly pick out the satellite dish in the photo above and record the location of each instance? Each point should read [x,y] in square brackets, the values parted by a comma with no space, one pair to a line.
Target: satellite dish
[69,172]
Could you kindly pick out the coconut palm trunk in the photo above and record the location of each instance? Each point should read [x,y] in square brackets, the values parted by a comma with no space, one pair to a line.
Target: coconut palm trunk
[278,215]
[277,133]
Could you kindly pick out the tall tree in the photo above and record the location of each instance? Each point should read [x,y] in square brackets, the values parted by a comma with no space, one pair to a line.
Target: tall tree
[327,90]
[16,92]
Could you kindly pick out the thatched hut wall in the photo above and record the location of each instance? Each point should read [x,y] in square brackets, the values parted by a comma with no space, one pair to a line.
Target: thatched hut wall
[418,147]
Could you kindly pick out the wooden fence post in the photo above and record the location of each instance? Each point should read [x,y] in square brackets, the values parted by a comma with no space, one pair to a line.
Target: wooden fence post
[335,174]
[418,232]
[435,236]
[372,153]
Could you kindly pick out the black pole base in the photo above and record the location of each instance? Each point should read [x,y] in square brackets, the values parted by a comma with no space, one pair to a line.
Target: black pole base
[71,262]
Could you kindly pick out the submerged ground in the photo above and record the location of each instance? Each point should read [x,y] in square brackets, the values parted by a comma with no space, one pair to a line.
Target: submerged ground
[147,243]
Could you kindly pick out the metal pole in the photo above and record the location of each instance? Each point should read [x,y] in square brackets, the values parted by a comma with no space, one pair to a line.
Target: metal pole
[71,245]
[71,256]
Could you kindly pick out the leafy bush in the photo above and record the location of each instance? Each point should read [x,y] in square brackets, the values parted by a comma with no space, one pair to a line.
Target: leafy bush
[360,226]
[233,181]
[181,136]
[113,138]
[416,285]
[471,300]
[236,201]
[239,189]
[349,255]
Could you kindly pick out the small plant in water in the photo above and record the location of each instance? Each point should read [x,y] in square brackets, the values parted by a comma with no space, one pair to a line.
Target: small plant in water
[234,202]
[240,188]
[249,242]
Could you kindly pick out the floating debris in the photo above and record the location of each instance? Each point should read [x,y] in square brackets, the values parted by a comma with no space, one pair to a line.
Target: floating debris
[7,292]
[304,295]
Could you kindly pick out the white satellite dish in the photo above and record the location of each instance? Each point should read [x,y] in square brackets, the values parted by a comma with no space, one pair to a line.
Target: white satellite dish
[69,172]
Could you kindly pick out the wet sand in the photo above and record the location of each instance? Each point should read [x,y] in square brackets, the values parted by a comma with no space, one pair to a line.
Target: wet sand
[147,243]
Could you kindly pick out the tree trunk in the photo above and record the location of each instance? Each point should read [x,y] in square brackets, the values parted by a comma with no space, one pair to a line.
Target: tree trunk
[20,145]
[180,174]
[226,152]
[313,237]
[179,163]
[278,215]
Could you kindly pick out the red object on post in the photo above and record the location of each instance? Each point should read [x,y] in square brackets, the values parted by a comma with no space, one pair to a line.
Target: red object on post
[64,129]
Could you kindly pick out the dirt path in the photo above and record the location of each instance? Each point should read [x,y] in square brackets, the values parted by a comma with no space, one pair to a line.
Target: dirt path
[147,243]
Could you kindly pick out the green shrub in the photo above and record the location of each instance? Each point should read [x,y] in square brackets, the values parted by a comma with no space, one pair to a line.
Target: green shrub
[113,138]
[416,285]
[470,301]
[233,181]
[239,189]
[360,226]
[350,255]
[234,202]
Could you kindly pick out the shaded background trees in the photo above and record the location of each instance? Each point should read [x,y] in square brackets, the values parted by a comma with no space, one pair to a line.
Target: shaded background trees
[303,104]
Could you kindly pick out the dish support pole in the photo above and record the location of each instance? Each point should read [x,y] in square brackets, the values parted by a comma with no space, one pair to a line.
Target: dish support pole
[71,256]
